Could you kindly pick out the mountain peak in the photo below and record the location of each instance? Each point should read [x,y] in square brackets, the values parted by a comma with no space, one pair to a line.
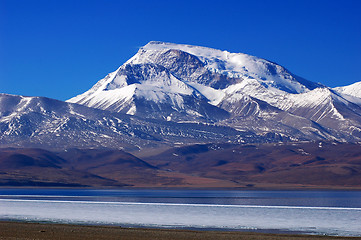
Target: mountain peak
[352,90]
[173,84]
[181,75]
[232,65]
[159,45]
[184,83]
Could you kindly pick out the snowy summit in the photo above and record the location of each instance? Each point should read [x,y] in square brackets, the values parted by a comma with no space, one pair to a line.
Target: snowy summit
[168,73]
[185,83]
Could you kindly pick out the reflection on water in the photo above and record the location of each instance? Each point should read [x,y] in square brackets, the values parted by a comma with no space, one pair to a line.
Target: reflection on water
[277,198]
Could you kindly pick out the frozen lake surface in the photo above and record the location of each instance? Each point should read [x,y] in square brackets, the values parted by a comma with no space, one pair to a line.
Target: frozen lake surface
[311,212]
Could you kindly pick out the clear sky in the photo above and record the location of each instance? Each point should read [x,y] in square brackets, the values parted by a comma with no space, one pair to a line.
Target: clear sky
[60,48]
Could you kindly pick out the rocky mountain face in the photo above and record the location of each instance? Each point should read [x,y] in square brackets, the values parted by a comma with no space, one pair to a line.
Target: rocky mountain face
[183,83]
[171,94]
[48,123]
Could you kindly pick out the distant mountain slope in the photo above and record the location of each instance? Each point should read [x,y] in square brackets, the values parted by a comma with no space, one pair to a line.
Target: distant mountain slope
[41,168]
[278,165]
[352,90]
[37,121]
[298,164]
[248,113]
[49,123]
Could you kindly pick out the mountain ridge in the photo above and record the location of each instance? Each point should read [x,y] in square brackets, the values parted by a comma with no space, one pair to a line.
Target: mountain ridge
[174,93]
[50,123]
[212,81]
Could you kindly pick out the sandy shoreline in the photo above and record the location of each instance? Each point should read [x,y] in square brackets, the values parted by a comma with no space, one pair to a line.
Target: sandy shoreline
[27,231]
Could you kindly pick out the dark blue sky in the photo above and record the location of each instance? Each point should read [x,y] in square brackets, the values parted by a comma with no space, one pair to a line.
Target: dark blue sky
[61,48]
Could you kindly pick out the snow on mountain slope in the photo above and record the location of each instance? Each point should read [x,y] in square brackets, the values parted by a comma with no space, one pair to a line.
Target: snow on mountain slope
[43,121]
[168,81]
[233,65]
[255,89]
[318,104]
[49,123]
[248,113]
[326,107]
[215,73]
[149,90]
[351,92]
[321,105]
[184,83]
[130,80]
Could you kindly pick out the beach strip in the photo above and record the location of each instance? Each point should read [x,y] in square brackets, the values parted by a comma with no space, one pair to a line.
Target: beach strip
[22,230]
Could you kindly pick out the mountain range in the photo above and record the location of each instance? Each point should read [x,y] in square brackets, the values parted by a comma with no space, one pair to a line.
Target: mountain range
[171,93]
[174,95]
[183,83]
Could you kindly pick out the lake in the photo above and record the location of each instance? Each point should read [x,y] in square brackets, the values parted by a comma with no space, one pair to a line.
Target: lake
[310,212]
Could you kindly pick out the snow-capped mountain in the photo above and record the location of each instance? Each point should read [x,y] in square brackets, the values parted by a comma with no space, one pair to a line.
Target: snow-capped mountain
[184,83]
[353,90]
[49,123]
[172,94]
[200,65]
[149,90]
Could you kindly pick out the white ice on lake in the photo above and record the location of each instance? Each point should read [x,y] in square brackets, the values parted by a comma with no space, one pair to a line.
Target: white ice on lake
[340,221]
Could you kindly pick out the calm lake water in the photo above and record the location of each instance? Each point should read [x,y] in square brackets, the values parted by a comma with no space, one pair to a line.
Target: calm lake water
[311,212]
